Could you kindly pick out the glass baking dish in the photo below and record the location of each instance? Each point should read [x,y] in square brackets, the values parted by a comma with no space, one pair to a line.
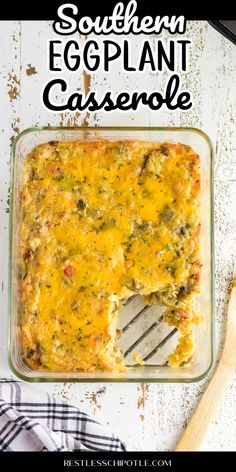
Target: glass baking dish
[156,370]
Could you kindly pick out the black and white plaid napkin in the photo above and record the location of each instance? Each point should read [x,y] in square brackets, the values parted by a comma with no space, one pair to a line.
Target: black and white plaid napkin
[27,424]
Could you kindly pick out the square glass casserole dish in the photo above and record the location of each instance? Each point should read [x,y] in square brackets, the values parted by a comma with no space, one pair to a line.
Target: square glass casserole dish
[136,320]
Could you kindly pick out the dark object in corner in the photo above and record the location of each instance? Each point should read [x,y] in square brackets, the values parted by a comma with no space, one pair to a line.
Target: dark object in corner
[227,28]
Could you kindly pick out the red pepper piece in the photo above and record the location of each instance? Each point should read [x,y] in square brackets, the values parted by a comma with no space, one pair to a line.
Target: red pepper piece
[69,270]
[27,255]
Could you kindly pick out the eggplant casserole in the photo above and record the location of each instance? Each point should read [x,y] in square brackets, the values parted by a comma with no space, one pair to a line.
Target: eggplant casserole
[102,221]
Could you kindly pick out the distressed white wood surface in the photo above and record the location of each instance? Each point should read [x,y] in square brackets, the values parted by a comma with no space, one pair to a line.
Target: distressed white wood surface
[147,416]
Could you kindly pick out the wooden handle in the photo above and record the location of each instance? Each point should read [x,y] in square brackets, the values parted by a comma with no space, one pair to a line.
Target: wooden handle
[199,423]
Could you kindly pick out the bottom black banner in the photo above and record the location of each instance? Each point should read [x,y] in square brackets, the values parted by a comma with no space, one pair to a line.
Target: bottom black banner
[146,460]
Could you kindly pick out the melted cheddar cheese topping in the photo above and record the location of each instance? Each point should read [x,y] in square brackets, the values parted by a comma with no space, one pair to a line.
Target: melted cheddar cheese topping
[103,221]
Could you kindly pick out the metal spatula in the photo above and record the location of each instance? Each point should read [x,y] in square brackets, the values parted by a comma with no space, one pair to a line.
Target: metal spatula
[145,332]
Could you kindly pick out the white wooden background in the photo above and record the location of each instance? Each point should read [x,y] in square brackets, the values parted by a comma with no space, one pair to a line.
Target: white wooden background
[147,416]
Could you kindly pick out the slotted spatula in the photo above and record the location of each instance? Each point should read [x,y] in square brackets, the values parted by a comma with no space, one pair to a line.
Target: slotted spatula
[197,428]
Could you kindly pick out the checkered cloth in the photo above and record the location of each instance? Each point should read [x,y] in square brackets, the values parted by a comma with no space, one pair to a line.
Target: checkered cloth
[27,424]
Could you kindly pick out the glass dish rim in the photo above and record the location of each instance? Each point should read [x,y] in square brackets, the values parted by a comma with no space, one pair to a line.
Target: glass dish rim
[212,262]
